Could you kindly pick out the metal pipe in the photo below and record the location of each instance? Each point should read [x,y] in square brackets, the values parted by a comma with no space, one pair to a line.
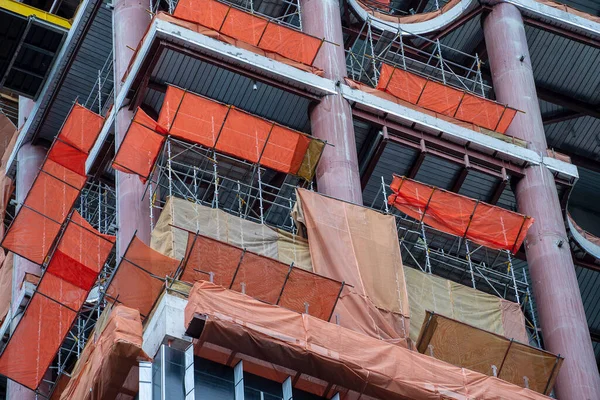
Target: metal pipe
[561,313]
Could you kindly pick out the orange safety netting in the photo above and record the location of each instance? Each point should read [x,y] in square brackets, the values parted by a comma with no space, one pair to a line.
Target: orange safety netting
[224,319]
[140,276]
[445,99]
[108,358]
[469,347]
[55,189]
[203,121]
[459,215]
[71,273]
[261,277]
[252,29]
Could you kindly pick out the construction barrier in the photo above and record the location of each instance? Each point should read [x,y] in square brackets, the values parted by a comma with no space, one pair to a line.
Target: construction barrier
[261,277]
[487,225]
[71,273]
[109,356]
[481,351]
[179,216]
[360,246]
[444,99]
[226,321]
[199,120]
[261,32]
[55,189]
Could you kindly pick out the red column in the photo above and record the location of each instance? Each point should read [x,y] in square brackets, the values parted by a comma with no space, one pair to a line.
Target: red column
[331,119]
[130,20]
[555,287]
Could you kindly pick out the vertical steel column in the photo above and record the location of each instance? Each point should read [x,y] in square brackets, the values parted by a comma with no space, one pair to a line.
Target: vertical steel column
[560,308]
[331,119]
[130,21]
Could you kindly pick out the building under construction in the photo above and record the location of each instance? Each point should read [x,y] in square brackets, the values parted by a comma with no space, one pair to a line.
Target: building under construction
[300,199]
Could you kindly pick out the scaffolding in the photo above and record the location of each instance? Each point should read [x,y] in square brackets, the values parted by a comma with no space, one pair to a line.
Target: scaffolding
[417,54]
[460,260]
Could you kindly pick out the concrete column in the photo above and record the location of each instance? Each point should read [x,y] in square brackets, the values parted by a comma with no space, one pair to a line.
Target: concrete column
[130,20]
[331,119]
[551,266]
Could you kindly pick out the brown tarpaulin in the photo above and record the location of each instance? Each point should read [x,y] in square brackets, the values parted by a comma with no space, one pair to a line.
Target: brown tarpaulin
[406,19]
[263,278]
[333,353]
[6,272]
[73,269]
[444,99]
[487,225]
[252,29]
[474,307]
[179,217]
[469,347]
[140,277]
[108,357]
[359,246]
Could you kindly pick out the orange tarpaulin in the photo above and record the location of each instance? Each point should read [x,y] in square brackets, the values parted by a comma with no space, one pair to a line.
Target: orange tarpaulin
[203,121]
[140,276]
[230,320]
[55,189]
[459,215]
[360,246]
[445,99]
[469,347]
[252,29]
[108,357]
[80,254]
[263,278]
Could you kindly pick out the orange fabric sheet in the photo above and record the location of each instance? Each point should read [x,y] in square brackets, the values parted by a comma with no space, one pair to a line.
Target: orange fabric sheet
[55,188]
[140,147]
[463,345]
[445,99]
[487,225]
[252,29]
[139,277]
[203,121]
[65,285]
[333,353]
[263,278]
[359,246]
[108,357]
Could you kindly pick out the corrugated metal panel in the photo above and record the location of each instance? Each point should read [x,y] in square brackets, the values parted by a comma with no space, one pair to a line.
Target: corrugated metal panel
[438,172]
[81,77]
[228,87]
[564,65]
[588,6]
[578,136]
[479,186]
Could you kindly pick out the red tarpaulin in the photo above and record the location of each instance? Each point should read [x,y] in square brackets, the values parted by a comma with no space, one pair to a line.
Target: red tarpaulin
[445,99]
[258,31]
[55,188]
[459,215]
[70,275]
[234,132]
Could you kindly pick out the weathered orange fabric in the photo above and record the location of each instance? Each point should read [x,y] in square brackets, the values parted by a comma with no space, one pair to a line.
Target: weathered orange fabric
[488,225]
[337,355]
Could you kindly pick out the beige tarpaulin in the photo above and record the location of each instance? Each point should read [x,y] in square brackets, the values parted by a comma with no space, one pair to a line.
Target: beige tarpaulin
[179,217]
[482,310]
[359,246]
